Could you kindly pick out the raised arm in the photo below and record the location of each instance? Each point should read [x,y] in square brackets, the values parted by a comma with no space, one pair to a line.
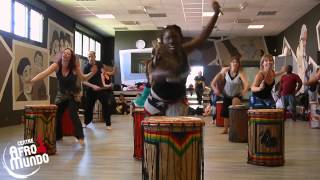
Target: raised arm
[197,41]
[110,70]
[245,83]
[53,67]
[257,84]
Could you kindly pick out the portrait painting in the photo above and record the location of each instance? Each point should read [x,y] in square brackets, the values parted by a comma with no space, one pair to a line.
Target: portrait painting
[28,61]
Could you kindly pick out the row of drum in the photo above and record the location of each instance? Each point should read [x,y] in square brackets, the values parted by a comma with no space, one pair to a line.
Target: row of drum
[172,147]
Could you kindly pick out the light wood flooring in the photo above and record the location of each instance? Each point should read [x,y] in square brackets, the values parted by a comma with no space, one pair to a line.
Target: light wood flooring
[108,155]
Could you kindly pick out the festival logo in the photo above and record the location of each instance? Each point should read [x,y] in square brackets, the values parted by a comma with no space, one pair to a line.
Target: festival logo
[24,159]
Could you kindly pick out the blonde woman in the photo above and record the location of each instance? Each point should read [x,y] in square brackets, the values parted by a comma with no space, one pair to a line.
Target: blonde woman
[263,84]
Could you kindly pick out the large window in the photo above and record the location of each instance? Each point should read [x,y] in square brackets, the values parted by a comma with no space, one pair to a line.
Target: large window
[24,21]
[85,47]
[36,26]
[92,45]
[98,51]
[78,43]
[5,14]
[20,19]
[84,44]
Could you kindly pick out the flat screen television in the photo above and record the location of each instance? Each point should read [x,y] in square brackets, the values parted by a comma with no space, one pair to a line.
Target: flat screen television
[132,65]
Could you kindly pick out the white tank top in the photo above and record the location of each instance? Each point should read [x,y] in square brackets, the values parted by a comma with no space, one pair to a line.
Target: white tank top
[233,86]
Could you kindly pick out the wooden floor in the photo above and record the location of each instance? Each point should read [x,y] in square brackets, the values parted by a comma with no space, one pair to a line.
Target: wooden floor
[108,155]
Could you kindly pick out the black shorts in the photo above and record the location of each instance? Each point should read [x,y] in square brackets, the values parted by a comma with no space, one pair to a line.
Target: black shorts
[227,101]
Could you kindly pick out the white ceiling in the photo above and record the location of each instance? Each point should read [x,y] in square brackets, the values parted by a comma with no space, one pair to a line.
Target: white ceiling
[187,14]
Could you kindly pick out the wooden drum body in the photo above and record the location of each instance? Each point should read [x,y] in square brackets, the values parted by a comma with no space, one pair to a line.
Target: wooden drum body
[138,116]
[40,125]
[266,137]
[173,148]
[219,118]
[238,122]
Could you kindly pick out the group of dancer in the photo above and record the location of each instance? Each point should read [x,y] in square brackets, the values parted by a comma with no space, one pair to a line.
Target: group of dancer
[167,72]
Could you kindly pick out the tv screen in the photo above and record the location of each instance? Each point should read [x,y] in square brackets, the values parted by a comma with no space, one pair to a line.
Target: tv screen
[132,65]
[138,62]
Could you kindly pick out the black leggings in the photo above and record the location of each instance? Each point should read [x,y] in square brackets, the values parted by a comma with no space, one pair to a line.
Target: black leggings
[72,107]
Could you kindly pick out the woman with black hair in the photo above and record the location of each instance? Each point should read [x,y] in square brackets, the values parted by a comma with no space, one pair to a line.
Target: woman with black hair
[24,72]
[67,70]
[168,91]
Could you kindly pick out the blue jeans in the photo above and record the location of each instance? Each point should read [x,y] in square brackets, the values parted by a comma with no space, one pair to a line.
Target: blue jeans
[289,102]
[259,103]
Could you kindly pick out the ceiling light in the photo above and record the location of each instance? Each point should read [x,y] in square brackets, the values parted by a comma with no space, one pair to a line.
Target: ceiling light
[255,26]
[243,5]
[105,16]
[207,14]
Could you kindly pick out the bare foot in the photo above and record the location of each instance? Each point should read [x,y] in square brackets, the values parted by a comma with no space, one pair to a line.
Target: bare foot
[109,128]
[225,131]
[81,141]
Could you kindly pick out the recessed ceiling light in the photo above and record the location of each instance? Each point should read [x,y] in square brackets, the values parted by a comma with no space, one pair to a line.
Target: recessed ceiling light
[255,26]
[209,14]
[105,16]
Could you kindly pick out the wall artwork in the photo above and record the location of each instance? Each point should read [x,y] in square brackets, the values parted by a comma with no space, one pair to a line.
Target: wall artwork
[59,38]
[6,65]
[28,61]
[248,47]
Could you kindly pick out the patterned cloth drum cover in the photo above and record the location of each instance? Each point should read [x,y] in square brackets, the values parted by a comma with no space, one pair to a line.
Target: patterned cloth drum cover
[40,124]
[266,137]
[173,148]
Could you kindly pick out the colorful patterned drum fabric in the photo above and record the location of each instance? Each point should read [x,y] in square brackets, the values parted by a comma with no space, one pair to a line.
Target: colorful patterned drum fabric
[238,122]
[266,137]
[40,124]
[173,148]
[219,118]
[138,116]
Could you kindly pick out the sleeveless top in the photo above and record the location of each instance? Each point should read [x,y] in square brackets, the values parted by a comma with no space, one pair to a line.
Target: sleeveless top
[67,86]
[265,92]
[233,86]
[173,91]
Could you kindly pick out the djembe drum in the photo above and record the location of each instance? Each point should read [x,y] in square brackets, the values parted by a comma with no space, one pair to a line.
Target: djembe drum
[238,122]
[219,118]
[173,148]
[40,125]
[266,137]
[138,116]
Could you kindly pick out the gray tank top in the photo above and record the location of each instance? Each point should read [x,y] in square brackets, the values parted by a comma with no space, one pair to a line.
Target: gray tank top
[233,86]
